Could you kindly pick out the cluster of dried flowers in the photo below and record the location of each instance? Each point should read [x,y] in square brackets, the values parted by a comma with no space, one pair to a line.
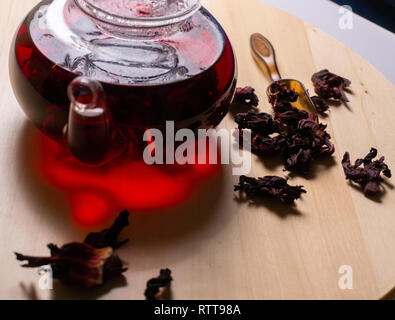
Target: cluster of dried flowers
[270,186]
[367,176]
[292,133]
[299,139]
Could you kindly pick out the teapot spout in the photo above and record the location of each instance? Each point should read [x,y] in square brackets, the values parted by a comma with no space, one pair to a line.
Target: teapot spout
[91,134]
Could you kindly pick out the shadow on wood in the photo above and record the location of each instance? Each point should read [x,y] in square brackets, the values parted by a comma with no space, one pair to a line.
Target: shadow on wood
[63,291]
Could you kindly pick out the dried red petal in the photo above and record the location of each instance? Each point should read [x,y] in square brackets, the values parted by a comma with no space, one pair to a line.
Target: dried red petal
[319,104]
[109,237]
[246,96]
[369,176]
[261,123]
[154,285]
[329,85]
[280,94]
[271,187]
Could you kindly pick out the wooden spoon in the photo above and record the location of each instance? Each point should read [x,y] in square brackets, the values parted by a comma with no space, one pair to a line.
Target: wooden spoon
[265,56]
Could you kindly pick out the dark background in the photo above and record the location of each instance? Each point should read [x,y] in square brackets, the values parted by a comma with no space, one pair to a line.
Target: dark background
[381,12]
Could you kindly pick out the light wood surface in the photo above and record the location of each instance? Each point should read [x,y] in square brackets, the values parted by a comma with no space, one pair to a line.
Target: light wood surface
[216,247]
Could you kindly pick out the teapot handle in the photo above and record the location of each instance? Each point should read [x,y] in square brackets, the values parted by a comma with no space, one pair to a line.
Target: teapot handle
[91,134]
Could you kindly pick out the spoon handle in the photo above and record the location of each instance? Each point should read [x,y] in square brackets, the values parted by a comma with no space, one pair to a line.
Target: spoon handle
[264,55]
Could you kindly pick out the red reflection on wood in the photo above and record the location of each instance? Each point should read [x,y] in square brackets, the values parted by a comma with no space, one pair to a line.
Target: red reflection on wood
[96,193]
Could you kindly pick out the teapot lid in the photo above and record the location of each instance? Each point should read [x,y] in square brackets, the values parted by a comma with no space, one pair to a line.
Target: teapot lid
[140,13]
[119,54]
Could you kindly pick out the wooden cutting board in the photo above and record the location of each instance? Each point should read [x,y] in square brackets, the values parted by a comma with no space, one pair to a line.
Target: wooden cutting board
[217,247]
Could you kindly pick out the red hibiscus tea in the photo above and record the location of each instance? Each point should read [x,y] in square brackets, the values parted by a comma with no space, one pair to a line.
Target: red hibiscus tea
[183,72]
[156,63]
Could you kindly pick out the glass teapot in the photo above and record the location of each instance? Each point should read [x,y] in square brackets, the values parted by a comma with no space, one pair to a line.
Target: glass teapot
[94,75]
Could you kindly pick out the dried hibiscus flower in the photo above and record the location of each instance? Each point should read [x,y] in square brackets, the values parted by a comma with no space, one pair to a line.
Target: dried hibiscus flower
[367,176]
[292,133]
[280,94]
[329,85]
[262,123]
[320,104]
[155,285]
[270,186]
[85,264]
[246,96]
[78,264]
